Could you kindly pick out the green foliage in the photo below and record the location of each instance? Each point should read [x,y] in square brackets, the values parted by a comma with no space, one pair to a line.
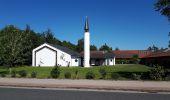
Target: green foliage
[93,48]
[3,75]
[103,73]
[123,61]
[14,46]
[167,78]
[22,73]
[67,75]
[115,76]
[163,6]
[55,72]
[105,47]
[157,73]
[117,49]
[33,74]
[135,59]
[44,72]
[13,73]
[69,45]
[90,75]
[80,45]
[136,77]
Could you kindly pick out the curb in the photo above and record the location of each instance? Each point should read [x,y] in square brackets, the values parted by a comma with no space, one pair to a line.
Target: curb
[88,87]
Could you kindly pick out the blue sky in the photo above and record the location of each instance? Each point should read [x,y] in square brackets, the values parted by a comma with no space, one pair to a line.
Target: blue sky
[127,24]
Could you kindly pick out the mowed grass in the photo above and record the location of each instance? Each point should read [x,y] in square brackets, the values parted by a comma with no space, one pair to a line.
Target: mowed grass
[44,72]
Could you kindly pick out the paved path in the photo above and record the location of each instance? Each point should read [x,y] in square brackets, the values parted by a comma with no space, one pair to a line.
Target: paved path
[150,86]
[43,94]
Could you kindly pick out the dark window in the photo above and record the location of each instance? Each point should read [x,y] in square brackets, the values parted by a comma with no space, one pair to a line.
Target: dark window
[76,60]
[110,59]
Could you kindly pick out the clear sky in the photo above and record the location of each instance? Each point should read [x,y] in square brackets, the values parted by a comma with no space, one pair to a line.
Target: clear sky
[126,24]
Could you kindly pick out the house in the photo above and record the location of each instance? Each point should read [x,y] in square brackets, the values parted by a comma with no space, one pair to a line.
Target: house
[101,58]
[124,56]
[161,57]
[54,55]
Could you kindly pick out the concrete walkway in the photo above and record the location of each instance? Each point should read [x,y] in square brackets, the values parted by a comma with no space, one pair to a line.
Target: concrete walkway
[149,86]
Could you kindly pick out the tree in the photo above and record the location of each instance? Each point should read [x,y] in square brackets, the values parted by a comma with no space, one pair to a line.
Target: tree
[153,48]
[117,49]
[69,45]
[49,38]
[163,6]
[15,46]
[135,59]
[105,47]
[149,48]
[80,45]
[93,48]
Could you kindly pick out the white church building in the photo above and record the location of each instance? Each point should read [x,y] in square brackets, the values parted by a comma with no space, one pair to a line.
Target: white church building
[55,55]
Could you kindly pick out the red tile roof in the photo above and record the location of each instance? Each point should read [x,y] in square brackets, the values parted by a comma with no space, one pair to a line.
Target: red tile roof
[130,53]
[159,54]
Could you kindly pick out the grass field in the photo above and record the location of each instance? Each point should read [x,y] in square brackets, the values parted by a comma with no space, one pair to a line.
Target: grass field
[44,72]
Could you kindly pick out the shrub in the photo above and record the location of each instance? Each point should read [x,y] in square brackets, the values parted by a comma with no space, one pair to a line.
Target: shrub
[135,76]
[167,78]
[33,74]
[90,75]
[157,73]
[3,75]
[55,72]
[102,72]
[67,75]
[145,76]
[115,76]
[22,73]
[13,73]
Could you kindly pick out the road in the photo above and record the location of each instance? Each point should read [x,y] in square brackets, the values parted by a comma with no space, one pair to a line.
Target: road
[44,94]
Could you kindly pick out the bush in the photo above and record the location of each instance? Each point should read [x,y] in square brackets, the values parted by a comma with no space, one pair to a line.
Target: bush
[157,73]
[90,75]
[13,73]
[167,78]
[33,74]
[135,76]
[22,73]
[102,72]
[3,75]
[115,76]
[67,75]
[55,72]
[145,76]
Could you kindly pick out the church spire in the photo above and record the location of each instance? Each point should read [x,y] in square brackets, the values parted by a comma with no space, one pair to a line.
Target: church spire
[86,27]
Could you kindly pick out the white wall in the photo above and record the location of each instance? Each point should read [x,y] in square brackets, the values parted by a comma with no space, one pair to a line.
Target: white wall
[110,61]
[74,63]
[45,57]
[63,59]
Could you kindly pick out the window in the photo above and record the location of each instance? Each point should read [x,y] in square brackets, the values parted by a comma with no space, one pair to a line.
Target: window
[76,60]
[111,60]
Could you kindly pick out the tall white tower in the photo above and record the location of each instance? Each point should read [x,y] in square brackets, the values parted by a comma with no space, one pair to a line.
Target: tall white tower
[86,44]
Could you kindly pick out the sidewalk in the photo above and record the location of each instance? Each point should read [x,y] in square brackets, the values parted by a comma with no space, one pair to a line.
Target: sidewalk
[147,86]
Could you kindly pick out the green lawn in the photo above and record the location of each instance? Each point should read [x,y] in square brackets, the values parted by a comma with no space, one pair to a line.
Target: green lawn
[44,72]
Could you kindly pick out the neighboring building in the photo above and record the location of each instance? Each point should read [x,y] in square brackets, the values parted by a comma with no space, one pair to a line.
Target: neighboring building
[124,56]
[101,58]
[54,55]
[161,57]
